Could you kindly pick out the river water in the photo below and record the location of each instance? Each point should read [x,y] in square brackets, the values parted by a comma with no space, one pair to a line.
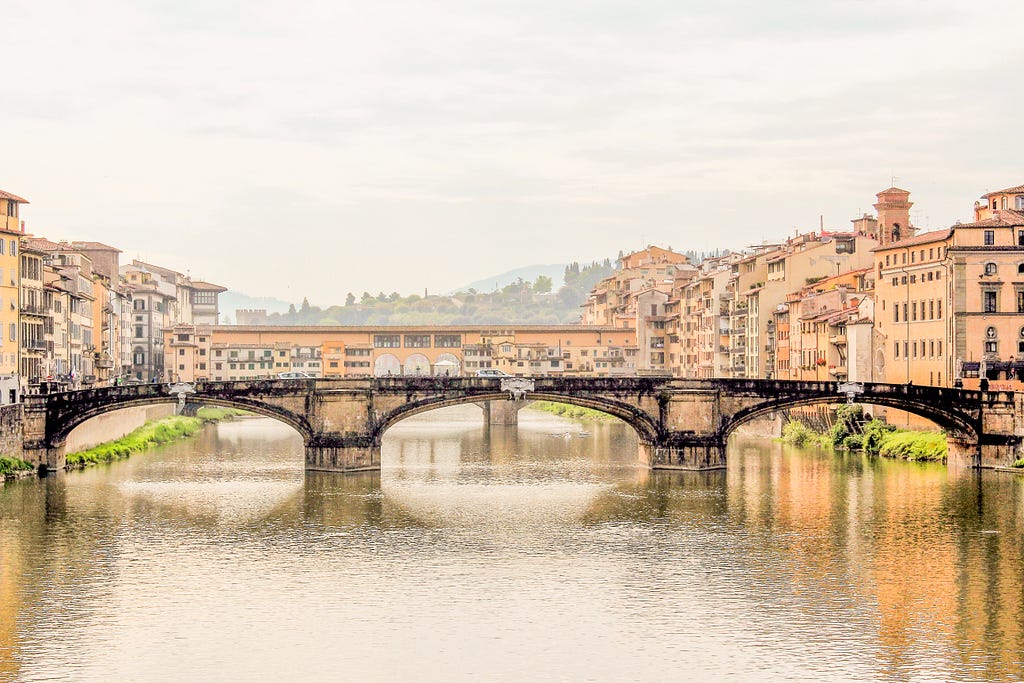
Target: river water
[537,553]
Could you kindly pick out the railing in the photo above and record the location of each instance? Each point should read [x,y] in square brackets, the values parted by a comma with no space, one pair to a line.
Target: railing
[34,309]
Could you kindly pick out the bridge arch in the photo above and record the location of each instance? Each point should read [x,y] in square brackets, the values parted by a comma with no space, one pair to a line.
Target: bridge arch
[957,424]
[59,429]
[643,424]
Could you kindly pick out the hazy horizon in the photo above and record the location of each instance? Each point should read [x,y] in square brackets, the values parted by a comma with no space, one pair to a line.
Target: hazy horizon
[310,150]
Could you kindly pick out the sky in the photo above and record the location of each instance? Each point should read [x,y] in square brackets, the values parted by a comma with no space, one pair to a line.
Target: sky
[308,149]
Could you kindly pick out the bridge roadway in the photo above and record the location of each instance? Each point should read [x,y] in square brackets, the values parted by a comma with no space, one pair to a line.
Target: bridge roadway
[680,424]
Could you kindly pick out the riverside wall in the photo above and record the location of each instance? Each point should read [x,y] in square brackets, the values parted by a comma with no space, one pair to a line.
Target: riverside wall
[113,425]
[10,430]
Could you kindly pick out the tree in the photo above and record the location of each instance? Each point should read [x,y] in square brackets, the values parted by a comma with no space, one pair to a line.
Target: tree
[542,285]
[367,298]
[350,300]
[291,309]
[305,305]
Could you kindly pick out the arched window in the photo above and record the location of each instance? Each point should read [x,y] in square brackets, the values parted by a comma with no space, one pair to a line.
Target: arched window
[895,232]
[990,268]
[1020,269]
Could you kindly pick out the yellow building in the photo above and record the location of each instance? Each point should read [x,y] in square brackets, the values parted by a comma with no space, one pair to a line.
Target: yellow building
[10,317]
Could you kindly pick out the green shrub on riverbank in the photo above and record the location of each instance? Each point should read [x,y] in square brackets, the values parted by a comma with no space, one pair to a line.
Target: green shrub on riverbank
[576,412]
[924,446]
[150,434]
[798,434]
[12,465]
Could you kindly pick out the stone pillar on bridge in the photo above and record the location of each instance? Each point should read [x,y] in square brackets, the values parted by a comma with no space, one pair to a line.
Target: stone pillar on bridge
[36,449]
[962,453]
[682,453]
[502,412]
[342,454]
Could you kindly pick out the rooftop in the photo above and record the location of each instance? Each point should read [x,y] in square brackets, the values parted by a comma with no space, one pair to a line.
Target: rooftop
[1010,190]
[12,197]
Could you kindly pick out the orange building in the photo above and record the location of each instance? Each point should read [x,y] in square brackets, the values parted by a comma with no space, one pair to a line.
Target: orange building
[194,352]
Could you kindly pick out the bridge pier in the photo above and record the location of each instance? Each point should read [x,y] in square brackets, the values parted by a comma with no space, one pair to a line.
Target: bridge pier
[501,412]
[43,457]
[692,454]
[347,454]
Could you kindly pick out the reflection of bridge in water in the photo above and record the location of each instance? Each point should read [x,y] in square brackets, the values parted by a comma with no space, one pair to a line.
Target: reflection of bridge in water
[680,424]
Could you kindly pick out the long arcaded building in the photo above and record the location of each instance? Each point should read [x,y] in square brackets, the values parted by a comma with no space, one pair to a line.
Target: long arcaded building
[234,352]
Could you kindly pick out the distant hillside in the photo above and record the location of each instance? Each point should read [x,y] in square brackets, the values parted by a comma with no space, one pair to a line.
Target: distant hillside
[526,274]
[230,301]
[520,301]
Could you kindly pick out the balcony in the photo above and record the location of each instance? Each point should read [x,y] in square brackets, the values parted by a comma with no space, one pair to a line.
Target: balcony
[34,345]
[34,309]
[837,339]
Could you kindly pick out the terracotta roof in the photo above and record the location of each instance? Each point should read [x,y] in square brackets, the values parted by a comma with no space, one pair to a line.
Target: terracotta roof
[200,284]
[1010,190]
[923,238]
[42,244]
[1002,218]
[12,197]
[893,189]
[94,245]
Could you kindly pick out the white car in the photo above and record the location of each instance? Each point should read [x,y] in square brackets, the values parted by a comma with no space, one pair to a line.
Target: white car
[490,372]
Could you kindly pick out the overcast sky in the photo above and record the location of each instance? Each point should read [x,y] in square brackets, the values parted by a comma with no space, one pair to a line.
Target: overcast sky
[314,148]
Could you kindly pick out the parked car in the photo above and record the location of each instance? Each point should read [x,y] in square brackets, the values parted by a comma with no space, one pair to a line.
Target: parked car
[294,375]
[491,372]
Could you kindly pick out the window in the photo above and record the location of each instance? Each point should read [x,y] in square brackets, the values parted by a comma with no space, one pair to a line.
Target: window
[218,366]
[14,248]
[990,268]
[913,312]
[1020,301]
[990,238]
[896,314]
[183,337]
[181,352]
[938,309]
[417,341]
[895,281]
[387,341]
[913,279]
[990,302]
[138,331]
[896,346]
[447,341]
[991,347]
[139,304]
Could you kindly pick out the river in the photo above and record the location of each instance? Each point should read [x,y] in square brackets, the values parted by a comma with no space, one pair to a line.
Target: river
[537,553]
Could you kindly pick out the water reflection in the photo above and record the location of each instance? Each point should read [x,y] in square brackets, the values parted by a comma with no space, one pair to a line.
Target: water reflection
[538,552]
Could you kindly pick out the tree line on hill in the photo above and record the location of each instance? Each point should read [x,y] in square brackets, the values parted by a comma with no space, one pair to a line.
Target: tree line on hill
[519,302]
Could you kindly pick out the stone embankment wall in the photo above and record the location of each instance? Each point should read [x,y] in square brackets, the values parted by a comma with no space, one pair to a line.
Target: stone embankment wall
[113,425]
[10,430]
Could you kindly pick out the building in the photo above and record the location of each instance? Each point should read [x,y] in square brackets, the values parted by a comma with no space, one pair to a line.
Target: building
[11,229]
[234,352]
[161,299]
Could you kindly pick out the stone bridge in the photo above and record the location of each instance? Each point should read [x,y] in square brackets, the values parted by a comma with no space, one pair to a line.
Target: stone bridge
[680,424]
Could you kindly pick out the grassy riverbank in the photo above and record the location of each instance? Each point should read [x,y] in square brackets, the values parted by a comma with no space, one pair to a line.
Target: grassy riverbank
[873,437]
[148,435]
[570,411]
[13,467]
